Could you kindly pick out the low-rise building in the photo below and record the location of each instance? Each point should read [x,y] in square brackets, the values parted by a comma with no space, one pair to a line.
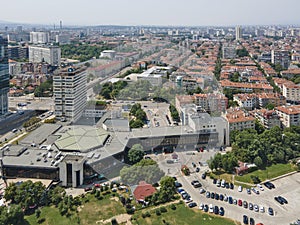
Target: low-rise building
[291,92]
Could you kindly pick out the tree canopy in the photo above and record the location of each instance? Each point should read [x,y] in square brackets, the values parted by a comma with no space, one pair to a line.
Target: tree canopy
[136,153]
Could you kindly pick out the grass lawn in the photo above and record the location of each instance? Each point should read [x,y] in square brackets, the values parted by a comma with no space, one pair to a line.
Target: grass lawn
[221,175]
[90,213]
[182,215]
[269,173]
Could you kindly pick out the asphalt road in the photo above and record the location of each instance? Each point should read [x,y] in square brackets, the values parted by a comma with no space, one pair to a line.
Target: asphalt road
[15,121]
[287,187]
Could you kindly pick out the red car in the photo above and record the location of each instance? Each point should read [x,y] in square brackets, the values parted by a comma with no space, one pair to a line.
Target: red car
[240,202]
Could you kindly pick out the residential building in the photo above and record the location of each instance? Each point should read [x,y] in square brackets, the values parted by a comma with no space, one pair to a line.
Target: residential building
[270,98]
[18,52]
[291,92]
[238,33]
[4,76]
[39,37]
[268,118]
[289,115]
[246,101]
[62,38]
[143,190]
[211,102]
[247,87]
[228,51]
[238,119]
[70,93]
[281,57]
[49,54]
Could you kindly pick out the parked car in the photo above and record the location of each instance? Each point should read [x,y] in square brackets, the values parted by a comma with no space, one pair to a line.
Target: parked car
[221,211]
[188,200]
[177,184]
[262,209]
[214,180]
[255,207]
[217,196]
[205,208]
[269,185]
[279,200]
[240,202]
[223,183]
[234,201]
[283,199]
[248,191]
[207,194]
[270,211]
[202,191]
[245,219]
[212,195]
[225,198]
[197,170]
[245,204]
[231,186]
[203,176]
[216,210]
[240,188]
[255,190]
[179,190]
[250,206]
[230,200]
[211,208]
[221,197]
[192,204]
[251,220]
[201,206]
[260,187]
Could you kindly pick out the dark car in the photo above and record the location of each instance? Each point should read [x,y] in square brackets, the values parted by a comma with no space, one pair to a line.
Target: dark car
[207,194]
[192,204]
[216,210]
[217,196]
[214,181]
[227,185]
[279,200]
[204,176]
[230,200]
[245,219]
[212,195]
[283,199]
[270,211]
[231,186]
[221,197]
[269,185]
[252,221]
[197,170]
[221,211]
[193,164]
[177,184]
[205,208]
[245,204]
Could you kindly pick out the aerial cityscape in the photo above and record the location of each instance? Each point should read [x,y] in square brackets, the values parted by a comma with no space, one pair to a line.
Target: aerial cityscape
[169,113]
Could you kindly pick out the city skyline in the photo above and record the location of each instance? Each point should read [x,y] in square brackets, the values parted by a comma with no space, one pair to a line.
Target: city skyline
[161,13]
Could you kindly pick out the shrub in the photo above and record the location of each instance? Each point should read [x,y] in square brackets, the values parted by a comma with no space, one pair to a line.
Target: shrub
[163,209]
[41,220]
[173,206]
[157,212]
[114,221]
[255,179]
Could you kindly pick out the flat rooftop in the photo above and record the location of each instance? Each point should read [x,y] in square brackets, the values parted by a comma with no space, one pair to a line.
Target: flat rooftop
[40,135]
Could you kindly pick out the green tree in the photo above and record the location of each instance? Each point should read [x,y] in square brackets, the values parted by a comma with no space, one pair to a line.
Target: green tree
[258,162]
[167,189]
[270,106]
[136,153]
[259,127]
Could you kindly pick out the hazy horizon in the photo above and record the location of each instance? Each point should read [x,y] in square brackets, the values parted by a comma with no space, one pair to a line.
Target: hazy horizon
[158,13]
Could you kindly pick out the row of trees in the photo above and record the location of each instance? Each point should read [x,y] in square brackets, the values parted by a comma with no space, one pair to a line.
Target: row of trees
[262,147]
[174,112]
[139,116]
[32,121]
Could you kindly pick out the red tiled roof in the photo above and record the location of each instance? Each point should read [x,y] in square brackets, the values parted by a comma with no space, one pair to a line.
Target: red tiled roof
[143,190]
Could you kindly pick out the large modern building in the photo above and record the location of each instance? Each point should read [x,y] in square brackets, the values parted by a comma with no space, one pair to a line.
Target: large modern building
[238,33]
[4,77]
[49,54]
[69,88]
[39,37]
[281,57]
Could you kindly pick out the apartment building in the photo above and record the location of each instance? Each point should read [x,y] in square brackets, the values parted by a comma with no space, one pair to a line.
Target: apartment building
[289,115]
[247,87]
[70,93]
[49,54]
[228,51]
[281,57]
[291,92]
[4,77]
[246,101]
[238,119]
[268,118]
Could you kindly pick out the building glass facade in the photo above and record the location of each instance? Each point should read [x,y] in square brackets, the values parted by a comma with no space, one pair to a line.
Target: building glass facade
[4,76]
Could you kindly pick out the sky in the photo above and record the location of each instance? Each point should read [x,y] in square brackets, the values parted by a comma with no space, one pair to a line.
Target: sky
[152,12]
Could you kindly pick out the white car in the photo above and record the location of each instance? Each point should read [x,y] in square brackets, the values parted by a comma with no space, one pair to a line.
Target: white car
[262,209]
[256,208]
[201,206]
[211,208]
[188,200]
[260,187]
[240,188]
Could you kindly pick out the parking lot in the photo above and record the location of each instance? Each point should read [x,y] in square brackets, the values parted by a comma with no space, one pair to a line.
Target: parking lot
[287,187]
